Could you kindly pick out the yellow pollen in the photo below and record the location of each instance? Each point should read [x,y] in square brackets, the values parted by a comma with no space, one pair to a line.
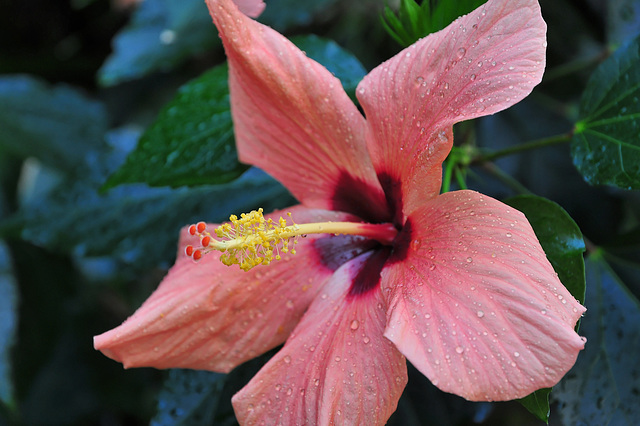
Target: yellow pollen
[252,240]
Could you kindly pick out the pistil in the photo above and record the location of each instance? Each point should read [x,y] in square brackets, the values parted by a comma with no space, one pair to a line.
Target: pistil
[252,240]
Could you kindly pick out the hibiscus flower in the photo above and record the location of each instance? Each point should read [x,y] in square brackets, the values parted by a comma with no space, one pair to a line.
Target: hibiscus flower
[456,283]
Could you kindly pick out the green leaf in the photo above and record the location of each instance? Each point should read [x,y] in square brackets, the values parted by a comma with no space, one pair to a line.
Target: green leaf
[56,124]
[285,14]
[603,386]
[563,244]
[606,141]
[189,398]
[538,404]
[8,326]
[560,238]
[414,21]
[160,36]
[135,224]
[163,34]
[340,62]
[623,20]
[191,141]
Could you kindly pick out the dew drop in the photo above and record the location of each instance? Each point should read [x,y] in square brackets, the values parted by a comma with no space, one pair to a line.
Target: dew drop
[461,52]
[516,354]
[472,77]
[289,304]
[480,314]
[469,259]
[355,324]
[415,244]
[508,234]
[459,349]
[366,340]
[337,359]
[427,316]
[287,359]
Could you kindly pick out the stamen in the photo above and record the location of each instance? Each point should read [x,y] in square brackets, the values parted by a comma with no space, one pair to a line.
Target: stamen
[252,240]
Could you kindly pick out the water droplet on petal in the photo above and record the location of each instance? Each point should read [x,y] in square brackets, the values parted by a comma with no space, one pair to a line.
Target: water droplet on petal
[355,324]
[508,234]
[366,340]
[287,359]
[459,349]
[289,304]
[480,314]
[415,244]
[516,354]
[461,52]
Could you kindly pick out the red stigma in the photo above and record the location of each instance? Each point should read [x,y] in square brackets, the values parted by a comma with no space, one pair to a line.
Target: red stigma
[188,250]
[205,241]
[197,255]
[192,230]
[200,227]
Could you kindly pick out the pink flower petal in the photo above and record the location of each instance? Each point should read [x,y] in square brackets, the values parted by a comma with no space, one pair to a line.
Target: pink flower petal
[212,317]
[482,63]
[475,305]
[336,368]
[292,117]
[252,8]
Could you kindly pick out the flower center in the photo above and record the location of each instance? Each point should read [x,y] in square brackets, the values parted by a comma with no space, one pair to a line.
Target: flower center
[252,240]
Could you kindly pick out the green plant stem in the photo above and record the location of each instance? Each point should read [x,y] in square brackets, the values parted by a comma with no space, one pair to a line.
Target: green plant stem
[575,66]
[507,180]
[540,143]
[460,178]
[446,180]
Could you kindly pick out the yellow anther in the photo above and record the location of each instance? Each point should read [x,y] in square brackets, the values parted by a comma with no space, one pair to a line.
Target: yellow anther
[252,240]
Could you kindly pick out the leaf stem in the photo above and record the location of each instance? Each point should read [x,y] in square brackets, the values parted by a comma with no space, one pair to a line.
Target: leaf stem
[576,65]
[448,171]
[540,143]
[507,180]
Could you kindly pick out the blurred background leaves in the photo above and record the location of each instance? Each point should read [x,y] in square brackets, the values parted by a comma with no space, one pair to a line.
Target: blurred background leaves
[134,94]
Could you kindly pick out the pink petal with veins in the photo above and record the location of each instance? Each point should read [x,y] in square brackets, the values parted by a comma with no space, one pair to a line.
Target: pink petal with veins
[336,368]
[292,118]
[209,316]
[475,305]
[480,64]
[252,8]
